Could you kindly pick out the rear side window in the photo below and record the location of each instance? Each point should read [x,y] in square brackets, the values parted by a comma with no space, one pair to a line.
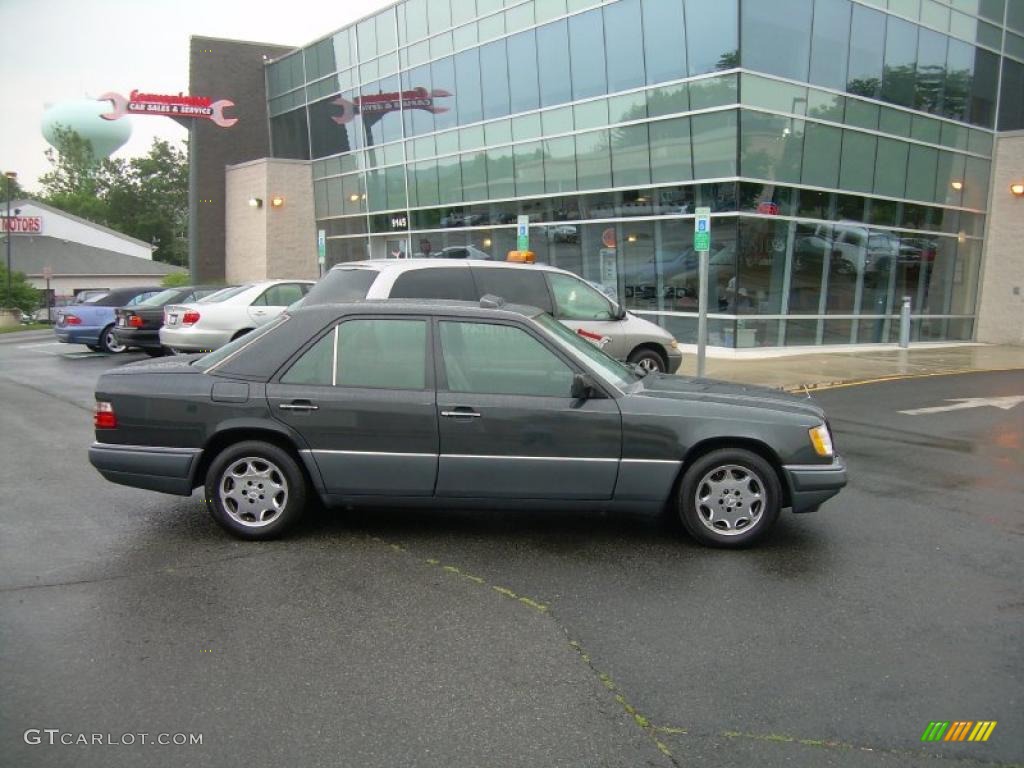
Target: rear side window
[436,283]
[514,285]
[341,285]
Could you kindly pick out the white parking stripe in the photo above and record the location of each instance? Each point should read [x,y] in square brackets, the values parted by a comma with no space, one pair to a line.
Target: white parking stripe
[44,344]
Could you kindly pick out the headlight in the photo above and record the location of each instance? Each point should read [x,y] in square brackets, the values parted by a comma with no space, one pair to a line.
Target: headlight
[674,344]
[821,440]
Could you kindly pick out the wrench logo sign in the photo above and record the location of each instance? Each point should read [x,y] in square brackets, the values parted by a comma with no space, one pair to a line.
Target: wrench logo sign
[200,107]
[374,106]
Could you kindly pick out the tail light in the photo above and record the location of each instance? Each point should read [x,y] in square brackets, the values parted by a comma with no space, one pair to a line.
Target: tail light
[72,320]
[135,321]
[191,317]
[103,416]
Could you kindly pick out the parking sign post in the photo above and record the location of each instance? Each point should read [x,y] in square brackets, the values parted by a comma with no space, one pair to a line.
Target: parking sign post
[702,244]
[522,233]
[321,249]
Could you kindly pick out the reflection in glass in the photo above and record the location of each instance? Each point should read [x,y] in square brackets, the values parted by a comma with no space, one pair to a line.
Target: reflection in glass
[467,86]
[777,37]
[522,57]
[771,146]
[762,267]
[494,79]
[867,51]
[623,42]
[664,43]
[931,71]
[830,40]
[586,47]
[711,42]
[900,62]
[553,63]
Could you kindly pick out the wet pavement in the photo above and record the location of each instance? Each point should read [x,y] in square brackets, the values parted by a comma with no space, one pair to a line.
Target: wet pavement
[403,637]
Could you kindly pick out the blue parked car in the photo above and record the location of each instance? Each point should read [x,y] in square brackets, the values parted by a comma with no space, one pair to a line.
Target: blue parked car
[92,322]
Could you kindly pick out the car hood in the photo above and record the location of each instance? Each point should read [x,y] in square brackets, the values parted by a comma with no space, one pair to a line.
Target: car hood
[175,364]
[665,386]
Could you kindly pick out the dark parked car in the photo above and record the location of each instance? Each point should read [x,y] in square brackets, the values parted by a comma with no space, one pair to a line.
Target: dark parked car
[139,325]
[439,403]
[92,322]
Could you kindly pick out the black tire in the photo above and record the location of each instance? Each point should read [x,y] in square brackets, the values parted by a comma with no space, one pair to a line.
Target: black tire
[108,343]
[226,510]
[728,479]
[648,359]
[158,352]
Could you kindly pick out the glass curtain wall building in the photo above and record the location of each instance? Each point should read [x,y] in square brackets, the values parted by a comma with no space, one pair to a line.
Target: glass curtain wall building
[843,146]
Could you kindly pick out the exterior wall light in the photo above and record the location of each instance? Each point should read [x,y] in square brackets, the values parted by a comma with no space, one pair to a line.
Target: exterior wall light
[277,201]
[1017,189]
[957,185]
[255,202]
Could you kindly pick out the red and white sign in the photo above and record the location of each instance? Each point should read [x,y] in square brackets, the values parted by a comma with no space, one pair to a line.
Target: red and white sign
[169,105]
[22,225]
[373,106]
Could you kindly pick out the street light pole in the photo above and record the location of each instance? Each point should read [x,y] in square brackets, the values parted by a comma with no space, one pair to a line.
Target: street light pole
[11,176]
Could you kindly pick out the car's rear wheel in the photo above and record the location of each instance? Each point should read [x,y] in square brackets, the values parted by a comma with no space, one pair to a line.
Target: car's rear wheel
[109,343]
[730,498]
[648,359]
[255,490]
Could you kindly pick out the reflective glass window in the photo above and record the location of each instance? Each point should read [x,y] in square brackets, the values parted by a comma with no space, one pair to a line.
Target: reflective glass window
[1011,103]
[900,62]
[451,283]
[861,114]
[415,19]
[553,62]
[777,37]
[867,52]
[522,57]
[668,100]
[327,136]
[711,37]
[288,134]
[587,53]
[560,165]
[950,169]
[474,175]
[762,266]
[984,87]
[517,286]
[857,163]
[714,92]
[959,75]
[714,144]
[463,11]
[394,182]
[931,70]
[439,15]
[593,161]
[623,42]
[631,161]
[976,172]
[468,97]
[830,39]
[500,173]
[891,167]
[992,9]
[664,44]
[494,79]
[366,35]
[424,180]
[529,165]
[670,150]
[771,147]
[822,147]
[382,354]
[449,179]
[414,113]
[921,169]
[442,75]
[1015,16]
[379,111]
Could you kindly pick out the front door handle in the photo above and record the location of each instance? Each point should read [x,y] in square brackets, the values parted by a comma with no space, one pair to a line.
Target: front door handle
[461,412]
[299,405]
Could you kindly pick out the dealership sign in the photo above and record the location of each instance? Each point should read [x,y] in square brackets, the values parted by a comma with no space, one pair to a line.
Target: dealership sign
[169,105]
[374,106]
[22,225]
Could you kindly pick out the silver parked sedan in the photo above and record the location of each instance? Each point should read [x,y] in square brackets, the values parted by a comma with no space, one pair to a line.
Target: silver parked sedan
[212,322]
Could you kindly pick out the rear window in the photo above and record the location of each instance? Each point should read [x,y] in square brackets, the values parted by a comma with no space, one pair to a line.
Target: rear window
[341,285]
[161,298]
[515,285]
[435,283]
[118,298]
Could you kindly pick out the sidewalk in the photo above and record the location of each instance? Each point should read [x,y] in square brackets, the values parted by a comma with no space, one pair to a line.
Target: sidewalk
[828,369]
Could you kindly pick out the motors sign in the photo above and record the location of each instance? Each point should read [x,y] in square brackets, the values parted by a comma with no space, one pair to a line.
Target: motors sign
[21,225]
[169,105]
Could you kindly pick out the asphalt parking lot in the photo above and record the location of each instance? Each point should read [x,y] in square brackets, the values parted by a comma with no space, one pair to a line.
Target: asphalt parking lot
[402,638]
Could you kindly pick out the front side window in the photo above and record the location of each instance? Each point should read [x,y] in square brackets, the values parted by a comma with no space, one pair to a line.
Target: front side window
[488,359]
[575,300]
[371,353]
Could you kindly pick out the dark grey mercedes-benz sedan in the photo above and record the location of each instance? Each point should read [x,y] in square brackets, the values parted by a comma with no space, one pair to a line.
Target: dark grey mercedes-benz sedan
[454,403]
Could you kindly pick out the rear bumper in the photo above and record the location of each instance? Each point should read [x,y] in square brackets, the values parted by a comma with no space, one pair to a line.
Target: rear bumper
[193,339]
[811,485]
[132,337]
[168,470]
[76,334]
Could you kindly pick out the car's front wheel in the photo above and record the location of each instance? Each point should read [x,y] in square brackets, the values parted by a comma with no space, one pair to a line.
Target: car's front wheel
[109,342]
[255,490]
[648,359]
[729,497]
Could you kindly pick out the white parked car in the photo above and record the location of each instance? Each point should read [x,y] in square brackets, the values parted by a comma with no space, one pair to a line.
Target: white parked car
[212,322]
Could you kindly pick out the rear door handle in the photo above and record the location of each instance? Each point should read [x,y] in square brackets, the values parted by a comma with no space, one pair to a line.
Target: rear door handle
[299,405]
[461,412]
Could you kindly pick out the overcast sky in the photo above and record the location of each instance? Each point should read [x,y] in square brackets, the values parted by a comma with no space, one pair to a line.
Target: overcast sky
[58,50]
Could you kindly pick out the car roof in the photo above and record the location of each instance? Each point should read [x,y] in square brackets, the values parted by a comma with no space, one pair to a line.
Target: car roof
[408,265]
[417,307]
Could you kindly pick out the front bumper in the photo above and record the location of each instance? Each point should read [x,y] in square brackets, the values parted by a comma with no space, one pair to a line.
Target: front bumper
[77,334]
[675,359]
[142,339]
[193,339]
[810,485]
[168,470]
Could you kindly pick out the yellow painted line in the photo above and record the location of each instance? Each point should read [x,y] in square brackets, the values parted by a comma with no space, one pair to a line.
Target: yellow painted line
[798,388]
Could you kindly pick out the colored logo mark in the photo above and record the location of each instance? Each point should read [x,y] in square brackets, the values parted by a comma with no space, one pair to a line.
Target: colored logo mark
[959,730]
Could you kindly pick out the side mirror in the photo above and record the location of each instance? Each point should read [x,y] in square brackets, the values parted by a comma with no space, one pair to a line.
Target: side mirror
[621,314]
[583,387]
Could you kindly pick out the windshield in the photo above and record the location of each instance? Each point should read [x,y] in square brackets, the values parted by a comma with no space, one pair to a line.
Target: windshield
[207,361]
[224,293]
[609,368]
[346,284]
[160,299]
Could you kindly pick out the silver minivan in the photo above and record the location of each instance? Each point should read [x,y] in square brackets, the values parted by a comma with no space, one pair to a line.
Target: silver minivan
[563,294]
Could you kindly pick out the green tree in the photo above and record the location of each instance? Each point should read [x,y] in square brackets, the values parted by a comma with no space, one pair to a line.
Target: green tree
[176,280]
[145,197]
[23,295]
